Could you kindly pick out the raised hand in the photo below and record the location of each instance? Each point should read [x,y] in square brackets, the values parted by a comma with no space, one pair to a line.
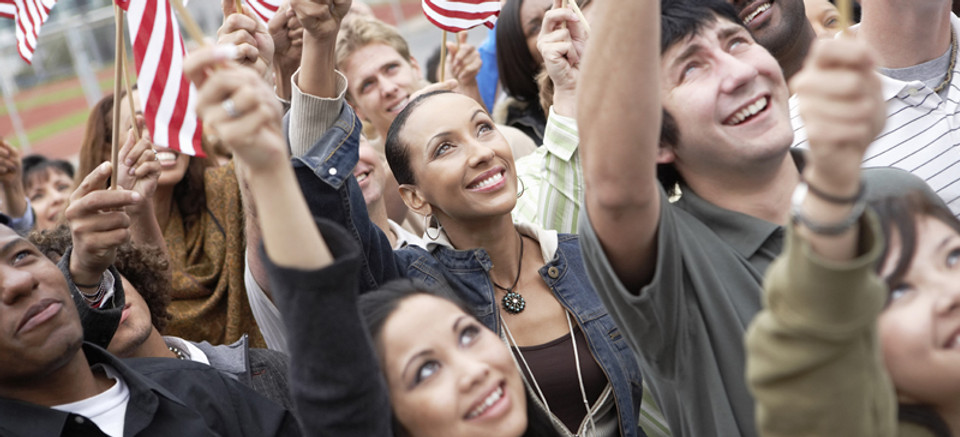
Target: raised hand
[254,43]
[287,34]
[99,224]
[463,64]
[321,18]
[321,22]
[238,107]
[139,169]
[13,199]
[561,44]
[839,99]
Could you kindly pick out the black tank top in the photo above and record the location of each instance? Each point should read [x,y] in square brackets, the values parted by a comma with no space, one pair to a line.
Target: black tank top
[556,373]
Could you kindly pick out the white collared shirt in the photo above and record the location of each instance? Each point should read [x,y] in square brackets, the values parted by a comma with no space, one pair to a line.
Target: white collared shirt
[921,135]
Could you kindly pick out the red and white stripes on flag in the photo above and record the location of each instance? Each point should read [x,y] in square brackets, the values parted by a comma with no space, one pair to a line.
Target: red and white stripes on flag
[28,16]
[265,9]
[167,98]
[8,9]
[460,15]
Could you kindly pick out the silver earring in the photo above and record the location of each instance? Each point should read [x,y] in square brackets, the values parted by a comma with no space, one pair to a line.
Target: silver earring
[523,187]
[428,222]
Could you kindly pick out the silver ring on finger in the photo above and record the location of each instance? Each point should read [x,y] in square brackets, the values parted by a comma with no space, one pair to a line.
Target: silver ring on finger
[230,108]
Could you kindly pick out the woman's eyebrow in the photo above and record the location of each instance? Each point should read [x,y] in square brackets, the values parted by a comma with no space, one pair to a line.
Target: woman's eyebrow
[413,359]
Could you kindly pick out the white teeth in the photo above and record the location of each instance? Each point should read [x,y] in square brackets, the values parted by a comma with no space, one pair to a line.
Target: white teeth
[750,110]
[166,156]
[489,181]
[490,400]
[756,12]
[362,176]
[399,106]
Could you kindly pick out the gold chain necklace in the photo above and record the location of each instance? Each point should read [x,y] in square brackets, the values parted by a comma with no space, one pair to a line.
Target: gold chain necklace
[953,63]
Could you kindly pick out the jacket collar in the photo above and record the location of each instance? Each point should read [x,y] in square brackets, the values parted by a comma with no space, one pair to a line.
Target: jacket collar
[547,238]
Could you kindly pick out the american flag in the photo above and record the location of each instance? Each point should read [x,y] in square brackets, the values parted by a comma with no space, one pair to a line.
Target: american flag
[460,15]
[167,98]
[265,9]
[28,16]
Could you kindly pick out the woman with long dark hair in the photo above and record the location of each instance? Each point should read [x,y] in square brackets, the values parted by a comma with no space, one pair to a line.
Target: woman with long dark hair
[198,216]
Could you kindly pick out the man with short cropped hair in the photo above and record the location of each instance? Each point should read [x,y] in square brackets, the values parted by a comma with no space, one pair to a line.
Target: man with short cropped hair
[708,114]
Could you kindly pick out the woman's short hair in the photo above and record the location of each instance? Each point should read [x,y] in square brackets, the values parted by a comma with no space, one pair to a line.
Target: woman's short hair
[397,156]
[900,215]
[35,169]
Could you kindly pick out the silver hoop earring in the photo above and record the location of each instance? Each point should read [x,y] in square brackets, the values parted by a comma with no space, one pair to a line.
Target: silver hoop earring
[428,223]
[523,187]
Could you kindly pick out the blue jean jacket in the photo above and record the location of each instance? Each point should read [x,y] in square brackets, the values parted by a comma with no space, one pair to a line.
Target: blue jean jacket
[324,176]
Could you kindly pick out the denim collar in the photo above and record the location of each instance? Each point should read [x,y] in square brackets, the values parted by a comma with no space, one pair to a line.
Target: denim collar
[547,238]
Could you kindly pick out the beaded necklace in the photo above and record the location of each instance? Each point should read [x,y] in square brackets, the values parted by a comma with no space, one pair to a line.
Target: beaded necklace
[953,63]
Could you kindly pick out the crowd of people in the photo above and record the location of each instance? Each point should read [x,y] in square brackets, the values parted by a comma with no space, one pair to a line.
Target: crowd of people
[611,218]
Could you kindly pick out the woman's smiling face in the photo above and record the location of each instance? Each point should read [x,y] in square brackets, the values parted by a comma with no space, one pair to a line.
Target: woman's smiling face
[449,375]
[920,328]
[462,165]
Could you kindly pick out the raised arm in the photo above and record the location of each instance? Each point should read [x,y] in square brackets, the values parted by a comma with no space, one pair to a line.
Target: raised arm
[336,383]
[13,198]
[812,355]
[619,147]
[324,138]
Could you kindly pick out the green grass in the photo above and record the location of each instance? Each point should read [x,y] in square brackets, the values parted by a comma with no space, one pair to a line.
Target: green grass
[53,127]
[51,98]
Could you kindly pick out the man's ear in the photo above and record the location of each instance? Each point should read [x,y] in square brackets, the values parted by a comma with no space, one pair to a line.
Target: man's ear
[416,68]
[414,200]
[356,108]
[665,154]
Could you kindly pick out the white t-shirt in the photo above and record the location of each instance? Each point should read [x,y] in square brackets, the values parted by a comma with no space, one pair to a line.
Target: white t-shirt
[107,409]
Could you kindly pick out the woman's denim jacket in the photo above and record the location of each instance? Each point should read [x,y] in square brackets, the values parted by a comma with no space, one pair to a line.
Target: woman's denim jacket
[324,176]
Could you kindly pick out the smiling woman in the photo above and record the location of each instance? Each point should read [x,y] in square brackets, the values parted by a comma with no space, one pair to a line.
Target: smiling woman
[446,373]
[47,183]
[525,284]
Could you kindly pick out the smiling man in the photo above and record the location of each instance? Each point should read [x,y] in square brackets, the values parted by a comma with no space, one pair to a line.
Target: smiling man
[709,114]
[781,27]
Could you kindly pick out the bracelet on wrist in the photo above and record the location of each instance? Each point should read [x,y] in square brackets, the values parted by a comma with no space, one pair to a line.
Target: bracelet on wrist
[97,284]
[835,199]
[797,216]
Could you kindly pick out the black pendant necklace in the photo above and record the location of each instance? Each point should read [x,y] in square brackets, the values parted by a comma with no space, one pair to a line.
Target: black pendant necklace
[513,302]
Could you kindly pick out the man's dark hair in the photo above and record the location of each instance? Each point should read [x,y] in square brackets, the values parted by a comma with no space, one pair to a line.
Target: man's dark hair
[679,20]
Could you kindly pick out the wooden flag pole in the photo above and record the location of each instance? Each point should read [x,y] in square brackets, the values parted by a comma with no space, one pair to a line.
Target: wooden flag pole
[583,20]
[239,5]
[846,14]
[129,88]
[189,23]
[117,84]
[443,55]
